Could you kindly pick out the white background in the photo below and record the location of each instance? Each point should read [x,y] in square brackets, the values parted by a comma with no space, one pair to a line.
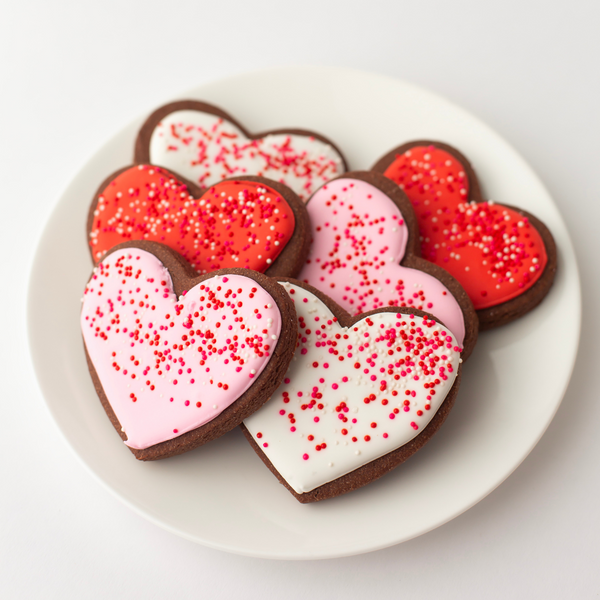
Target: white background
[72,73]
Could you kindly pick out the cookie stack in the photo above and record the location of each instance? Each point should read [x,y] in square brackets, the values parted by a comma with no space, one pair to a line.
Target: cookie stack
[252,280]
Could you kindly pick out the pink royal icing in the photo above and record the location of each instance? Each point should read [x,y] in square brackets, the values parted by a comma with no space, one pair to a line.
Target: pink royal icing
[352,394]
[170,365]
[358,238]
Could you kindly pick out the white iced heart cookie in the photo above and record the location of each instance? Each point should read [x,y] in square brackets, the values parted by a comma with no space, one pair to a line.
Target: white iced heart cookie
[204,144]
[361,395]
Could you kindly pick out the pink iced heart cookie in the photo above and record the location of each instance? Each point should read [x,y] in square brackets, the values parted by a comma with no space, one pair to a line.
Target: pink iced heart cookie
[205,144]
[178,360]
[365,255]
[361,395]
[504,257]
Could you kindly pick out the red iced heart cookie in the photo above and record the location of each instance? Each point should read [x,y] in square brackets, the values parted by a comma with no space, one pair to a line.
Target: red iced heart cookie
[504,257]
[249,222]
[178,359]
[364,255]
[361,395]
[204,144]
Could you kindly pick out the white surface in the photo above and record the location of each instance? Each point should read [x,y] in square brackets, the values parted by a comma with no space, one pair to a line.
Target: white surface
[526,68]
[506,400]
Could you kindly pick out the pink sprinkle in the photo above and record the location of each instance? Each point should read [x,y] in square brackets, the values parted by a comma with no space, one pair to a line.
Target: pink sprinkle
[286,380]
[305,456]
[316,419]
[326,365]
[345,379]
[282,412]
[265,445]
[334,386]
[393,416]
[187,402]
[414,425]
[225,279]
[175,431]
[292,429]
[385,435]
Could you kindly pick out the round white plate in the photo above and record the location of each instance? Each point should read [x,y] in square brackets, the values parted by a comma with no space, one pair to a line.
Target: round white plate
[221,495]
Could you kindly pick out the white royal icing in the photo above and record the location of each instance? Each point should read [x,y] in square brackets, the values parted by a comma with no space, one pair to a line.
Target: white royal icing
[324,397]
[205,149]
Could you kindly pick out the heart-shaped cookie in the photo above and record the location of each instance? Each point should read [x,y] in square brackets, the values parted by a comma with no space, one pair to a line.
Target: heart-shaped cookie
[504,257]
[364,255]
[248,222]
[362,394]
[178,360]
[204,144]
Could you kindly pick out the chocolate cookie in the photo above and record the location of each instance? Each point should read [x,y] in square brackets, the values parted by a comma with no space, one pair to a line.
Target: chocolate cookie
[179,359]
[503,256]
[365,255]
[361,396]
[205,144]
[246,222]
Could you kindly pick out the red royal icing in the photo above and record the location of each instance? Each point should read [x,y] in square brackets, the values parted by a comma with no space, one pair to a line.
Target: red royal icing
[240,224]
[493,251]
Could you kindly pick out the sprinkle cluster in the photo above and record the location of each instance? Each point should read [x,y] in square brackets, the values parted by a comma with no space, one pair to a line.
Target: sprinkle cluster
[492,250]
[157,355]
[211,149]
[352,394]
[234,224]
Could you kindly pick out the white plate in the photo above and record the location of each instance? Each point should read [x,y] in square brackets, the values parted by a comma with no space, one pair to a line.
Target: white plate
[221,495]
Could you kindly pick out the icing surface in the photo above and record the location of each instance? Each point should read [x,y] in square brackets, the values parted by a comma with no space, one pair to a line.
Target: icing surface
[352,394]
[205,149]
[358,239]
[170,365]
[493,251]
[233,224]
